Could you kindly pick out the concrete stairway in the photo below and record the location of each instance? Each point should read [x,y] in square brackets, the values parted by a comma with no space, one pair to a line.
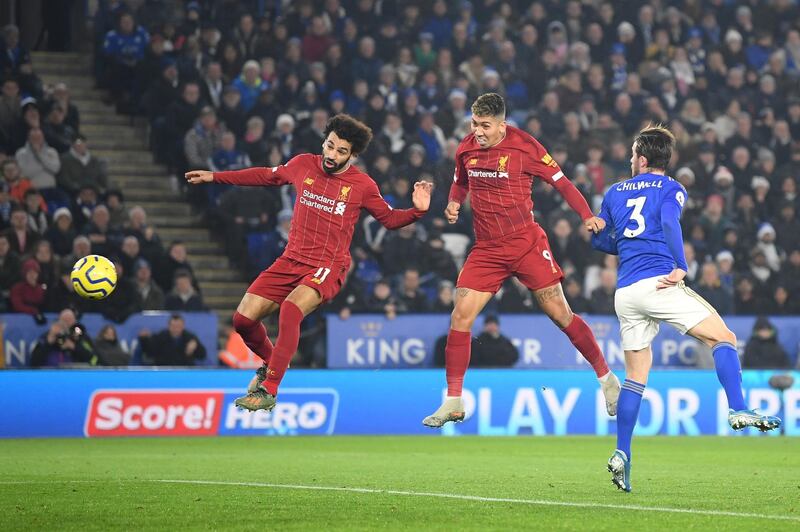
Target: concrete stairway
[123,143]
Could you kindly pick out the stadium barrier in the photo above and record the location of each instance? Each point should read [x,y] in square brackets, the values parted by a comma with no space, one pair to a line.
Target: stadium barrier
[139,402]
[373,341]
[20,333]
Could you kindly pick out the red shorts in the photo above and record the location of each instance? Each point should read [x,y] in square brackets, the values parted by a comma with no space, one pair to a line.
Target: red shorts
[277,282]
[525,254]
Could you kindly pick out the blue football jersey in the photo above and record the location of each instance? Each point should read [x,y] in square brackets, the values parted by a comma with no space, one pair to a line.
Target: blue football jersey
[632,210]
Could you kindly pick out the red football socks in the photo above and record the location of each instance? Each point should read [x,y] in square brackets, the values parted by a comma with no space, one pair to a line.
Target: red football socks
[456,356]
[288,337]
[582,338]
[254,335]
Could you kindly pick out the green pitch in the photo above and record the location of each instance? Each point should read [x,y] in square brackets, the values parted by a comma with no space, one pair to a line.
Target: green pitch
[413,483]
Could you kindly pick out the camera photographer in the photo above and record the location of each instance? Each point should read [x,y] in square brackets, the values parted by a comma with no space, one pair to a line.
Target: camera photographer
[65,343]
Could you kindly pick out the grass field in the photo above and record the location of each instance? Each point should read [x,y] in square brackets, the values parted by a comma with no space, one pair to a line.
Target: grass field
[422,483]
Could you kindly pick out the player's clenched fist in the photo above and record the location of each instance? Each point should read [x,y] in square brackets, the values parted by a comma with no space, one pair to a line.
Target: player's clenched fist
[451,212]
[595,224]
[422,195]
[196,177]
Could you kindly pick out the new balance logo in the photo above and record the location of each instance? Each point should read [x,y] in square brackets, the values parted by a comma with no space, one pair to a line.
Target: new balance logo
[340,207]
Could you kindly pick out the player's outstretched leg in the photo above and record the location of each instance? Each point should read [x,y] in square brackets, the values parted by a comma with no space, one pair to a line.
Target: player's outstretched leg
[713,332]
[457,354]
[253,332]
[553,303]
[469,304]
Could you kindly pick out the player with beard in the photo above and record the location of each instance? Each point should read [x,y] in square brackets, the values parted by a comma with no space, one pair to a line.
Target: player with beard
[330,195]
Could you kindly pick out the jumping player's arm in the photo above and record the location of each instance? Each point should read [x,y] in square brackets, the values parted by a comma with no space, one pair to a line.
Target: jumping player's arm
[458,191]
[548,170]
[394,219]
[605,240]
[259,176]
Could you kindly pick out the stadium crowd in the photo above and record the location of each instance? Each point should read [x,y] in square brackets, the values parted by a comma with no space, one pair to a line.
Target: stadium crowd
[227,84]
[232,84]
[56,207]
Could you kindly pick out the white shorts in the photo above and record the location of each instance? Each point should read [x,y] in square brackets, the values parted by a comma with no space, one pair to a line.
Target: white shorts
[640,308]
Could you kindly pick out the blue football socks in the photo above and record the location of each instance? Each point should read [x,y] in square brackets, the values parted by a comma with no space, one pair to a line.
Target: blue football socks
[630,399]
[729,373]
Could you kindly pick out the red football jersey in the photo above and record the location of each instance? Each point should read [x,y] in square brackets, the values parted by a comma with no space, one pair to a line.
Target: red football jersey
[500,180]
[327,206]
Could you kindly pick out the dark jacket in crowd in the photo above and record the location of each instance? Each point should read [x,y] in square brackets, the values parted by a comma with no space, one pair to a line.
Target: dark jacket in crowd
[491,351]
[162,349]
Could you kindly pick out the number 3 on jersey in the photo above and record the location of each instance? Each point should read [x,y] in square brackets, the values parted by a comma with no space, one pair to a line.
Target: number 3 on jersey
[636,216]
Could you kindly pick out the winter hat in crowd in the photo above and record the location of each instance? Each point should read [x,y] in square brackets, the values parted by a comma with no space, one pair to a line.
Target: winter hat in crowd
[759,181]
[62,211]
[765,229]
[724,255]
[29,265]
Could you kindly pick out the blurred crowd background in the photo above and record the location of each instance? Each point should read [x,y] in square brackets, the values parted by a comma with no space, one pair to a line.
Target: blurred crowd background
[227,84]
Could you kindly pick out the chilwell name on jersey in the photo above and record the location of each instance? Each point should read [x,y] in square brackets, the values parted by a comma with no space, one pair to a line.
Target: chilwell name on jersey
[320,202]
[487,173]
[639,185]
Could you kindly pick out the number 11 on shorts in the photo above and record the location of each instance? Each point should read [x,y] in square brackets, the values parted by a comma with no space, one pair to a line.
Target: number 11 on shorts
[321,275]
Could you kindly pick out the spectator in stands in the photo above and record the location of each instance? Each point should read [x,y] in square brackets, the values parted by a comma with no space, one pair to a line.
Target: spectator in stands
[81,247]
[243,210]
[130,254]
[48,268]
[514,298]
[84,205]
[284,136]
[212,84]
[382,301]
[174,346]
[231,111]
[254,143]
[40,163]
[61,294]
[6,206]
[250,84]
[203,139]
[763,350]
[175,260]
[17,184]
[108,350]
[312,137]
[9,270]
[574,293]
[10,113]
[781,304]
[710,288]
[37,212]
[124,50]
[183,296]
[13,55]
[79,168]
[65,343]
[445,298]
[121,303]
[149,241]
[105,240]
[438,260]
[412,298]
[180,118]
[27,295]
[57,132]
[227,156]
[20,236]
[403,250]
[61,96]
[603,297]
[117,212]
[149,295]
[491,348]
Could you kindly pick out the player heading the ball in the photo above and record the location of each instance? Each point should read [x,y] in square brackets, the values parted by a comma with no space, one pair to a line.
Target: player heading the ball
[496,165]
[642,216]
[331,193]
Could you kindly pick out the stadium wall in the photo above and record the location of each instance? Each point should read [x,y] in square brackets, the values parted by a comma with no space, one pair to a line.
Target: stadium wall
[373,341]
[140,402]
[20,333]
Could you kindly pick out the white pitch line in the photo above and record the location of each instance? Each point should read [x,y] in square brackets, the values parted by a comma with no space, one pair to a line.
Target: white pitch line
[536,502]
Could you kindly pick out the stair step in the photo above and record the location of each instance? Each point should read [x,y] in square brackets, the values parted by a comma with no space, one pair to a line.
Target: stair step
[92,102]
[216,274]
[137,183]
[118,132]
[62,69]
[175,209]
[223,303]
[137,155]
[104,117]
[144,170]
[208,247]
[159,221]
[111,143]
[221,288]
[142,193]
[75,82]
[204,260]
[191,235]
[59,57]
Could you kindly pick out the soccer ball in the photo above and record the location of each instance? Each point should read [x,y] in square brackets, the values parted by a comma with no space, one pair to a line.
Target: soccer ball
[94,277]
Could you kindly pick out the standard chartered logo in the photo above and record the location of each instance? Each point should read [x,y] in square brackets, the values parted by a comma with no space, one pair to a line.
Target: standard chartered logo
[322,203]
